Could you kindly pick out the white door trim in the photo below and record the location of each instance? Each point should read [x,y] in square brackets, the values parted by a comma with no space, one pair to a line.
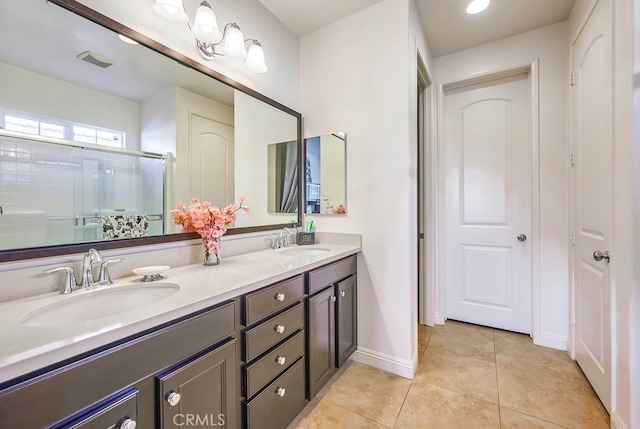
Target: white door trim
[440,302]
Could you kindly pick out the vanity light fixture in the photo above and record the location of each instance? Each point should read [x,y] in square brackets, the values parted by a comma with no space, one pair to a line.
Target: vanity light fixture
[477,6]
[210,41]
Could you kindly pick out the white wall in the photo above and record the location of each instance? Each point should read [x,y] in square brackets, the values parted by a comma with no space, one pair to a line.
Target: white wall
[550,46]
[362,88]
[281,82]
[67,101]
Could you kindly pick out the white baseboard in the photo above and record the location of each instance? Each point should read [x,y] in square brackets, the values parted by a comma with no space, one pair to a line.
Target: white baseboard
[403,368]
[616,421]
[551,341]
[439,318]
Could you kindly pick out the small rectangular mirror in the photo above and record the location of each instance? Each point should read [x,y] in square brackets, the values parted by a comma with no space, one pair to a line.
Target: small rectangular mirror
[325,174]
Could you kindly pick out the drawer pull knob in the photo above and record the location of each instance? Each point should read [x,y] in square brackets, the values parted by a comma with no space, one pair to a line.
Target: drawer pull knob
[280,360]
[342,293]
[279,329]
[279,297]
[280,391]
[173,398]
[128,424]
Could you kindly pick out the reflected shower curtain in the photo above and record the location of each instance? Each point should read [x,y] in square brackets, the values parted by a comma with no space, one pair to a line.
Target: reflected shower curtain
[289,200]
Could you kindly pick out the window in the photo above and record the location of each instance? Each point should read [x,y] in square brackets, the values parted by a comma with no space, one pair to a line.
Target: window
[60,129]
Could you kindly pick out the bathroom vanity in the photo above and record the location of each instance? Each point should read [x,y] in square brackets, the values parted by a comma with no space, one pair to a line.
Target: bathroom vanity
[229,349]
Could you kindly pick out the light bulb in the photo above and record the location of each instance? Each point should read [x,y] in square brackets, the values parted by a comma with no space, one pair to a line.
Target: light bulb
[477,6]
[234,43]
[255,58]
[171,10]
[205,26]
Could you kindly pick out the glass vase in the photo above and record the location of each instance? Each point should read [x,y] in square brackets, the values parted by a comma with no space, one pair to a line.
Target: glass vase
[210,257]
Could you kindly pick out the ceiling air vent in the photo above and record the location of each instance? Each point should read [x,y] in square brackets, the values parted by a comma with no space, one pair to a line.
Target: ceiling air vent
[96,59]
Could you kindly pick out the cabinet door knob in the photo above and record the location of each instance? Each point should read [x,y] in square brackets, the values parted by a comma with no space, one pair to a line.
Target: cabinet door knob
[280,391]
[279,297]
[128,424]
[173,398]
[333,299]
[280,360]
[343,293]
[279,329]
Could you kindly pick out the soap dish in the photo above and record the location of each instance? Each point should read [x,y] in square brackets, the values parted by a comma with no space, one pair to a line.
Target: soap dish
[152,273]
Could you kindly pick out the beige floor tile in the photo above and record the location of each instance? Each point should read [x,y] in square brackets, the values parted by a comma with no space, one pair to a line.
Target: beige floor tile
[518,351]
[464,374]
[514,420]
[424,333]
[370,392]
[329,415]
[563,402]
[429,406]
[469,340]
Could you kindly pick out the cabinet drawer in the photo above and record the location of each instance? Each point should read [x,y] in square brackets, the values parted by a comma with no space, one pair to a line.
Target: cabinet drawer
[277,405]
[267,334]
[331,273]
[264,370]
[262,303]
[110,415]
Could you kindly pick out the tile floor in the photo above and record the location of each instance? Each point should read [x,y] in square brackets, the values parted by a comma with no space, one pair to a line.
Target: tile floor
[468,377]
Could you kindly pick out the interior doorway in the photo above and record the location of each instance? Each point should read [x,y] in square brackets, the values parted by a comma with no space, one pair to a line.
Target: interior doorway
[425,198]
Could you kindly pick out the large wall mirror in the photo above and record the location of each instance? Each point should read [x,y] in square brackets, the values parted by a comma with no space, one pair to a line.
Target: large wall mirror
[100,138]
[325,174]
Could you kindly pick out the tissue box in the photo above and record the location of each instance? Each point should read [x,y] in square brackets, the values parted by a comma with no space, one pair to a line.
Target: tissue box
[304,238]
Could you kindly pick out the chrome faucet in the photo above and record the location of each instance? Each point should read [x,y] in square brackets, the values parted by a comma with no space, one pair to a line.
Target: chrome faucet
[91,258]
[284,237]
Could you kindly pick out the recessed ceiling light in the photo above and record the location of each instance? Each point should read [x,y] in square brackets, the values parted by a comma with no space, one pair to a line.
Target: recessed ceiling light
[477,6]
[127,40]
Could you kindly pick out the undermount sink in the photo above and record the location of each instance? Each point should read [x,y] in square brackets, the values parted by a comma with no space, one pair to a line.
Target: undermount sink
[89,305]
[303,251]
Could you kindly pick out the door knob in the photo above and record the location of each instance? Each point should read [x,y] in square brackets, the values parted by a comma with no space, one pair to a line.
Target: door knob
[522,237]
[599,256]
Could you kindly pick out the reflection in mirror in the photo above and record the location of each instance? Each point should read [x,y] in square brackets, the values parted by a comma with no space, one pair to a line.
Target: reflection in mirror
[325,174]
[100,138]
[283,177]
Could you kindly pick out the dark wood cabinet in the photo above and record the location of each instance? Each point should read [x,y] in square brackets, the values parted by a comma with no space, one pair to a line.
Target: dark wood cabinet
[274,369]
[346,319]
[200,391]
[321,331]
[81,391]
[253,361]
[331,320]
[118,412]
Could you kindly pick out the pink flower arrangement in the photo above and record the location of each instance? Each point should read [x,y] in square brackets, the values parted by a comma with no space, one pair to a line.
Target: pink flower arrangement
[339,209]
[207,220]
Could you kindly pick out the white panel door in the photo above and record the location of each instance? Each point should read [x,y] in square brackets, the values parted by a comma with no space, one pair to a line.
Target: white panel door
[591,102]
[211,161]
[488,204]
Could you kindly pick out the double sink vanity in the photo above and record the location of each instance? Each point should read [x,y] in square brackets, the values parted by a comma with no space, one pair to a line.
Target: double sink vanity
[246,343]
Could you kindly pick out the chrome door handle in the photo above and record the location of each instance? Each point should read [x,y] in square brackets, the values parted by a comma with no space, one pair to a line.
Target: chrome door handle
[599,256]
[522,237]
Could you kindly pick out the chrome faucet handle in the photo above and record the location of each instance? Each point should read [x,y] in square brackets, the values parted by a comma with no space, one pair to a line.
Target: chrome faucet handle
[275,241]
[105,277]
[70,283]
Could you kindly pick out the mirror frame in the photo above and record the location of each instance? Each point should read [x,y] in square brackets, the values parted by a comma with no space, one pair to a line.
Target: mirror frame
[14,255]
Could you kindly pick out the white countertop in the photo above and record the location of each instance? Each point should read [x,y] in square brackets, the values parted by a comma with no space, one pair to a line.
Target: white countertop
[24,349]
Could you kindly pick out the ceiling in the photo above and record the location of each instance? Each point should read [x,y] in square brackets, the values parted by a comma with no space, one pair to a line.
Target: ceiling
[448,28]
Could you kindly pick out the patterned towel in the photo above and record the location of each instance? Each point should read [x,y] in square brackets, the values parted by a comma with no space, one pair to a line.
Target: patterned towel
[126,226]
